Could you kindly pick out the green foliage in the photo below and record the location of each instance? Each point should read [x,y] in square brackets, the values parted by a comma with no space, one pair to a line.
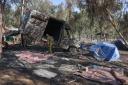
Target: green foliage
[98,15]
[123,25]
[80,23]
[8,17]
[44,6]
[92,18]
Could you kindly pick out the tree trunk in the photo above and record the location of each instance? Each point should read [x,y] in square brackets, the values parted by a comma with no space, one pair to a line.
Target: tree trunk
[21,22]
[115,25]
[79,34]
[3,14]
[0,29]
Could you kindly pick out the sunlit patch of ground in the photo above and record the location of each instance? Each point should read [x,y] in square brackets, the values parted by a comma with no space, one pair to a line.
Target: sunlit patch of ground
[14,77]
[124,56]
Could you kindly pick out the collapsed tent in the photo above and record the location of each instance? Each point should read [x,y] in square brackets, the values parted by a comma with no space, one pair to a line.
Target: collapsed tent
[105,51]
[39,25]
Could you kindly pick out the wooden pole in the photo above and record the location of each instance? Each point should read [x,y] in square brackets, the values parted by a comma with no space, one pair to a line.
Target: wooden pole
[3,14]
[22,8]
[115,25]
[1,28]
[21,21]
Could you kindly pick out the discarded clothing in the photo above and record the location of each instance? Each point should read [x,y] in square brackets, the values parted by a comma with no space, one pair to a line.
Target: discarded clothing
[44,73]
[31,57]
[101,75]
[105,51]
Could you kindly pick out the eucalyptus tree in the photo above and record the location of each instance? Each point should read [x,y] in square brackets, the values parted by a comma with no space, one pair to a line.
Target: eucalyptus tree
[44,6]
[4,6]
[1,28]
[123,24]
[102,11]
[70,6]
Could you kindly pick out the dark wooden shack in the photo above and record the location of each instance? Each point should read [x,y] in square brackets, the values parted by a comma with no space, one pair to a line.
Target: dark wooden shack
[39,24]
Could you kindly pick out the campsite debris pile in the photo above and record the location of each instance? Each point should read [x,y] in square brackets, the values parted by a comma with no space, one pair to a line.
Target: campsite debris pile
[60,67]
[63,68]
[31,57]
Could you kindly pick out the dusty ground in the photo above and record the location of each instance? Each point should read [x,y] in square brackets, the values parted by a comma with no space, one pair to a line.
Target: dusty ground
[11,75]
[124,56]
[14,77]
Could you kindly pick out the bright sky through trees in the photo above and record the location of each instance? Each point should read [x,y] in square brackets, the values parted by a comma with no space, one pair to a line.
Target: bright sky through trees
[57,2]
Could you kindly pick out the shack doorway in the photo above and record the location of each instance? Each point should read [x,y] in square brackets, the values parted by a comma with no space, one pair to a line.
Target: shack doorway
[54,28]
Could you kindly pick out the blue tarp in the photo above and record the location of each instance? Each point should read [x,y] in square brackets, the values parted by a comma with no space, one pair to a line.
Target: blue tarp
[105,51]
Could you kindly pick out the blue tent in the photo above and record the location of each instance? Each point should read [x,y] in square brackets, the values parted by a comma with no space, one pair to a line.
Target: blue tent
[105,51]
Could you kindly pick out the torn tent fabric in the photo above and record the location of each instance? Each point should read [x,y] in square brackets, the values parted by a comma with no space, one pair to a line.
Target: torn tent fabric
[105,51]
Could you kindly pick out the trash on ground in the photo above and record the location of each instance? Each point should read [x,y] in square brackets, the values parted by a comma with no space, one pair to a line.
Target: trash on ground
[44,73]
[63,67]
[100,75]
[32,57]
[68,68]
[123,79]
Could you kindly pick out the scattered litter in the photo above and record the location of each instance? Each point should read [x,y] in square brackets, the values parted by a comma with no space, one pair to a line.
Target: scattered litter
[68,68]
[61,67]
[51,61]
[32,57]
[72,65]
[65,59]
[123,79]
[44,73]
[99,75]
[44,66]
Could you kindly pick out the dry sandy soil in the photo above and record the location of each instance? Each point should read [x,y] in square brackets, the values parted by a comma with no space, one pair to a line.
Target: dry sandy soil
[14,77]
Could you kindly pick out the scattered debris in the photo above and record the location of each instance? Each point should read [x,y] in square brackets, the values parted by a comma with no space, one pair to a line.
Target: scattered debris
[123,79]
[32,57]
[44,66]
[44,73]
[99,75]
[63,68]
[73,66]
[49,55]
[67,69]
